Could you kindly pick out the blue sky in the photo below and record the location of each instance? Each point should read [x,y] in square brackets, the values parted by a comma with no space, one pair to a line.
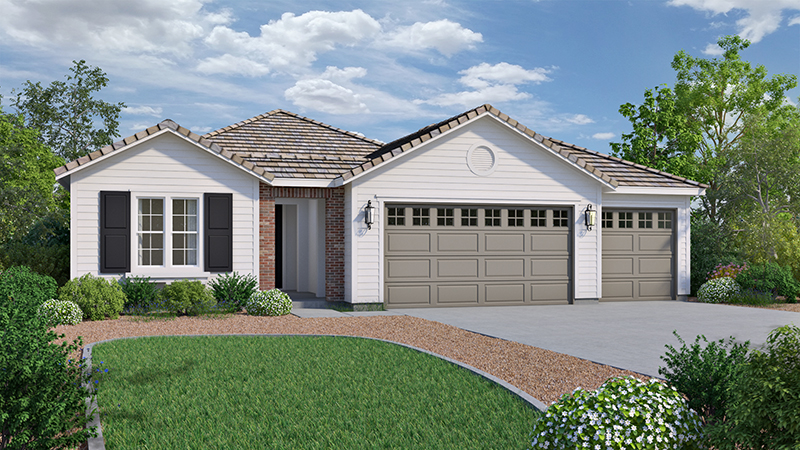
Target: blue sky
[385,68]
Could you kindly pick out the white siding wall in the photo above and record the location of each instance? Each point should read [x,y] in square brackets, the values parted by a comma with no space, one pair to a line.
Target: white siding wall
[683,222]
[438,173]
[164,166]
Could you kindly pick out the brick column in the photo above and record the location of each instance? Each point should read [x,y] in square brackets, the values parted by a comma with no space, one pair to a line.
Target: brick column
[334,245]
[266,240]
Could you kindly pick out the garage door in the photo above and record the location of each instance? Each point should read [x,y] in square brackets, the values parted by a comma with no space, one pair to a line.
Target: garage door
[442,255]
[638,255]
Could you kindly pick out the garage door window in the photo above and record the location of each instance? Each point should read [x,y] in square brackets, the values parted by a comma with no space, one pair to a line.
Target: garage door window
[421,216]
[538,217]
[445,217]
[516,217]
[608,220]
[560,218]
[665,220]
[625,220]
[396,216]
[645,220]
[469,217]
[492,217]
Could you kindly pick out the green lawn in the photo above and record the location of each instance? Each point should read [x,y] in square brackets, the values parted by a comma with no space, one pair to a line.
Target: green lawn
[229,392]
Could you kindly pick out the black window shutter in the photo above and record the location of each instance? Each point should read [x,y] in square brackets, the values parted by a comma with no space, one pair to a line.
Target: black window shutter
[115,232]
[218,232]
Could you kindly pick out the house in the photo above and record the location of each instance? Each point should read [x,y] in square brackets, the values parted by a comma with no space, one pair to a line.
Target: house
[474,210]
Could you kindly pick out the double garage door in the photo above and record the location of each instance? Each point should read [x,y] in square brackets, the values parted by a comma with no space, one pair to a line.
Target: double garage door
[442,255]
[447,255]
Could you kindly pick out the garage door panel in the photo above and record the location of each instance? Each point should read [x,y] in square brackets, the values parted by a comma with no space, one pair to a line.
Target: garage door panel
[507,293]
[409,295]
[505,268]
[467,268]
[418,242]
[618,289]
[458,294]
[617,243]
[649,243]
[505,242]
[550,292]
[457,243]
[549,267]
[618,266]
[408,268]
[649,266]
[550,242]
[655,289]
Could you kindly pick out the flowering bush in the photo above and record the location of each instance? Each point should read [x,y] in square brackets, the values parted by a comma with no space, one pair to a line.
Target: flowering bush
[730,271]
[269,303]
[718,290]
[61,312]
[624,413]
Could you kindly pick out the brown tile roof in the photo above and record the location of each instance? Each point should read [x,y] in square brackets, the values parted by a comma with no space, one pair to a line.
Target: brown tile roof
[164,125]
[612,170]
[291,146]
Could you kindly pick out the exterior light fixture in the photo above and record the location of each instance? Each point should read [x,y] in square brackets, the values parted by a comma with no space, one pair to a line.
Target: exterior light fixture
[591,216]
[369,214]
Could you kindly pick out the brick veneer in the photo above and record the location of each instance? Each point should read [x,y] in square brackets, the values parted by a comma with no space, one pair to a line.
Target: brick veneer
[334,235]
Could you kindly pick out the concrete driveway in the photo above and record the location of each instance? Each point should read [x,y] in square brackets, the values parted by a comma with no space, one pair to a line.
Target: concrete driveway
[628,335]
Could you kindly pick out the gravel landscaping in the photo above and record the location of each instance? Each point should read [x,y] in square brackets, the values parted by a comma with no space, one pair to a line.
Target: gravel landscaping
[544,374]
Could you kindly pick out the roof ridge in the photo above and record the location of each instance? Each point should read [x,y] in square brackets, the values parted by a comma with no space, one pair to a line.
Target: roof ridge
[298,116]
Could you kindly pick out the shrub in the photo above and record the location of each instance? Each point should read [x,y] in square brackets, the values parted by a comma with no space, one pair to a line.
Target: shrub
[751,297]
[771,278]
[57,312]
[27,288]
[718,290]
[704,373]
[233,289]
[729,270]
[140,293]
[765,399]
[187,297]
[269,303]
[623,413]
[710,247]
[97,297]
[42,395]
[45,248]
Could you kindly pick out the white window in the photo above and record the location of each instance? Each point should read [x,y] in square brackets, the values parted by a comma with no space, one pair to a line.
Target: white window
[151,231]
[184,232]
[167,233]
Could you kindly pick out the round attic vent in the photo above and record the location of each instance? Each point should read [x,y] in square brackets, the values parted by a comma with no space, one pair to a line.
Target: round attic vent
[481,160]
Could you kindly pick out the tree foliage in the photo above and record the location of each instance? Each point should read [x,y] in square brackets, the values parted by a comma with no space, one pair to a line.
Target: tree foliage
[70,120]
[26,177]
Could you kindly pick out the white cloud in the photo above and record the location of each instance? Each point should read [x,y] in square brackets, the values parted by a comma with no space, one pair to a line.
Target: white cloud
[763,16]
[143,110]
[293,42]
[446,37]
[794,21]
[579,119]
[713,50]
[338,75]
[326,96]
[604,136]
[491,84]
[232,65]
[148,26]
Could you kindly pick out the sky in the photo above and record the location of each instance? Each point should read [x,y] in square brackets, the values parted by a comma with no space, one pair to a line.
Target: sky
[385,68]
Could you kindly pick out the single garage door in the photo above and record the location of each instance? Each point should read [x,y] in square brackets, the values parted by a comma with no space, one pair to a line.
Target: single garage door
[443,255]
[638,255]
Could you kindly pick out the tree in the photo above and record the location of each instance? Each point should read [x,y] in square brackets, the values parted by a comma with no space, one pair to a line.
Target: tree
[26,177]
[705,110]
[66,114]
[761,188]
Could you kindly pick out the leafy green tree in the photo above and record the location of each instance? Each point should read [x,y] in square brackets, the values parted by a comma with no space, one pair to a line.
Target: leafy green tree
[26,177]
[71,122]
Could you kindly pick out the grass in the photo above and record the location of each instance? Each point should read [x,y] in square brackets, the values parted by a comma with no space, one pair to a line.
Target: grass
[229,392]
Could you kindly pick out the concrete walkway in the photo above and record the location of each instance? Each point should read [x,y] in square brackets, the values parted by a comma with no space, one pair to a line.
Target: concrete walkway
[628,335]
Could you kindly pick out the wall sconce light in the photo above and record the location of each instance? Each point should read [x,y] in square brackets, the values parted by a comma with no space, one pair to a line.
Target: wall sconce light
[591,216]
[369,214]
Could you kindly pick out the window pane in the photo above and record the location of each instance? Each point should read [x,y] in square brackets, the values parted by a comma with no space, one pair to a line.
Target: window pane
[157,258]
[177,206]
[191,225]
[665,220]
[178,223]
[560,218]
[645,220]
[445,217]
[157,240]
[191,257]
[177,257]
[608,220]
[157,224]
[625,220]
[469,217]
[538,217]
[157,206]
